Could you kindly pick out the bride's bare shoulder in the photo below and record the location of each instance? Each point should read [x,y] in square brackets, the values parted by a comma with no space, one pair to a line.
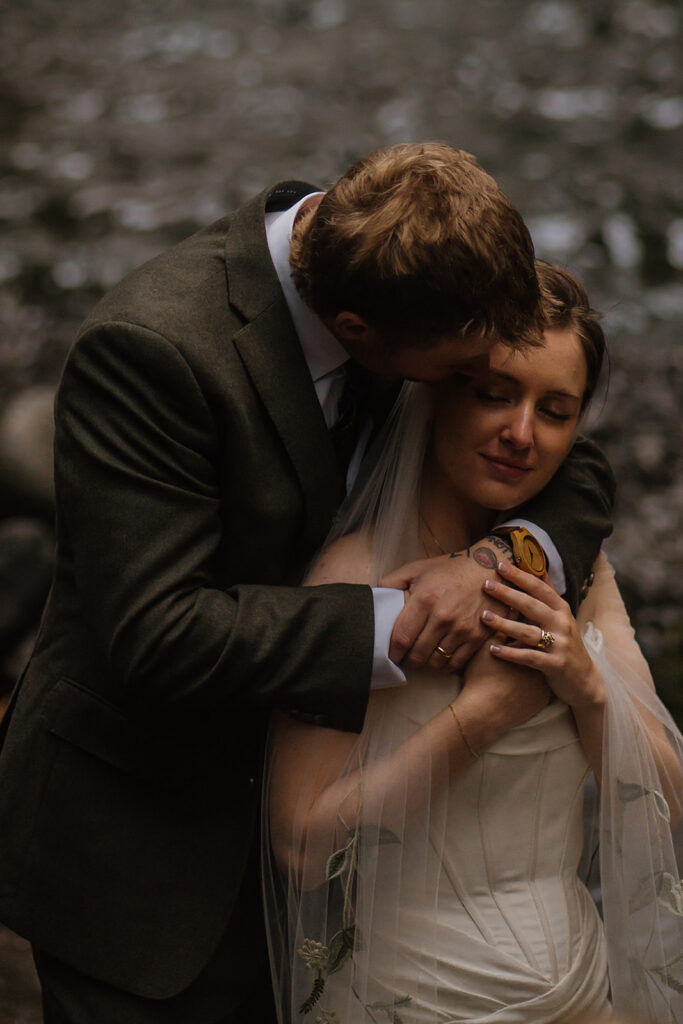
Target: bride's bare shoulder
[345,560]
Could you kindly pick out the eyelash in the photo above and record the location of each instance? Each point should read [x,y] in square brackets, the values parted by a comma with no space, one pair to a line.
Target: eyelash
[488,397]
[559,417]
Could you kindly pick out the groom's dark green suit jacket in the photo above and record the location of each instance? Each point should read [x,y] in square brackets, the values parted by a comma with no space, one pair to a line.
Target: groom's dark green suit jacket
[195,479]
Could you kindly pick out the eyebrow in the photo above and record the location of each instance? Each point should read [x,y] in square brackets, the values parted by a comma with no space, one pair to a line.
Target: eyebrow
[556,392]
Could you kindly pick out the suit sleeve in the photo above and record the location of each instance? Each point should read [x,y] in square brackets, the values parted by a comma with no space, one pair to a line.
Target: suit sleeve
[138,498]
[576,510]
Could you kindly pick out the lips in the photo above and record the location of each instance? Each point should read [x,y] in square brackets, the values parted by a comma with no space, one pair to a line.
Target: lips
[506,469]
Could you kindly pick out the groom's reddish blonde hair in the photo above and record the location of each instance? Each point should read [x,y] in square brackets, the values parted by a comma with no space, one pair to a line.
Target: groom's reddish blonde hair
[420,242]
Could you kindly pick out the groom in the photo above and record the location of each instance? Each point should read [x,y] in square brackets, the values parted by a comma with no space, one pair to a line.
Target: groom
[204,431]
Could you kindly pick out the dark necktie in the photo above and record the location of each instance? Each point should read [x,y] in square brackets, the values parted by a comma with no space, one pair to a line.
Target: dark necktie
[350,414]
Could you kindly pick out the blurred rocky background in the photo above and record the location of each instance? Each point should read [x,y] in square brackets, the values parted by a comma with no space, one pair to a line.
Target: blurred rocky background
[126,126]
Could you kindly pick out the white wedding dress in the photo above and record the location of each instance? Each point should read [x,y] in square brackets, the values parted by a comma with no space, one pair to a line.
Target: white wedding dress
[510,933]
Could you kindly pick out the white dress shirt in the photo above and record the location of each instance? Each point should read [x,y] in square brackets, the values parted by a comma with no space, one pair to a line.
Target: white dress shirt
[325,358]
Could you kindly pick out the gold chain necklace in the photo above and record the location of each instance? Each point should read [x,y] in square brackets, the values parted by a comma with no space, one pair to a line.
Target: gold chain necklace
[429,530]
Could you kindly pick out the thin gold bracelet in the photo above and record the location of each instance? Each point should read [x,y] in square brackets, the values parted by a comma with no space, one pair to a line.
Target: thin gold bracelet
[467,743]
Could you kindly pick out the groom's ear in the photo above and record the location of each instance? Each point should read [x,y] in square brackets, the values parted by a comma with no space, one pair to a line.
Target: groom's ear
[352,330]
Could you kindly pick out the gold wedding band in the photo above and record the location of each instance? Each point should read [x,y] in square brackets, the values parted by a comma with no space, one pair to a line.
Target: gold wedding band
[546,641]
[444,654]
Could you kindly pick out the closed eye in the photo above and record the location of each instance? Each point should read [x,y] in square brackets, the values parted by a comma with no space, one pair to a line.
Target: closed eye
[560,417]
[491,396]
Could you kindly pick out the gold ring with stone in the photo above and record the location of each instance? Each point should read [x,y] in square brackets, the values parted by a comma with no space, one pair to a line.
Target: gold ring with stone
[546,641]
[444,654]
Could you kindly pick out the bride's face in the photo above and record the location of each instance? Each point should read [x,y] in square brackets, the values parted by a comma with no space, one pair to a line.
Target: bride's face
[500,435]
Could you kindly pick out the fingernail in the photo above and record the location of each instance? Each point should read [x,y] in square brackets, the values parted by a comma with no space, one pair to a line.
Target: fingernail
[503,567]
[489,585]
[494,648]
[487,616]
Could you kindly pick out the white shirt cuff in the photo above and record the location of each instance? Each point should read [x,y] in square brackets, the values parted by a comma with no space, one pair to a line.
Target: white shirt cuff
[389,603]
[555,565]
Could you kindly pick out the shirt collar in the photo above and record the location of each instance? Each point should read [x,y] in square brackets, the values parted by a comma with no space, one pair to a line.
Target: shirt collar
[322,352]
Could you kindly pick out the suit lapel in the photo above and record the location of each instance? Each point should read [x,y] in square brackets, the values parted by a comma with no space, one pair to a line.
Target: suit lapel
[272,355]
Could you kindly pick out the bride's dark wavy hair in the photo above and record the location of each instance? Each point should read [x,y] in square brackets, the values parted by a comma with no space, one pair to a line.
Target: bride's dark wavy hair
[565,306]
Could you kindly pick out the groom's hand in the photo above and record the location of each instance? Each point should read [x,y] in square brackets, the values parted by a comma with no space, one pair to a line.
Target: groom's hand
[444,602]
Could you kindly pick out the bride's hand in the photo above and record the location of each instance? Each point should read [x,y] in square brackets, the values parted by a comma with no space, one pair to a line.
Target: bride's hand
[495,697]
[545,637]
[444,601]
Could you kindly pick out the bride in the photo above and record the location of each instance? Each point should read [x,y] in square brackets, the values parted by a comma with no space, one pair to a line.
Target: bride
[426,870]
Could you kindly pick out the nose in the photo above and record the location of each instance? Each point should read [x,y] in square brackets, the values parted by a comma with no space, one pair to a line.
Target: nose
[519,427]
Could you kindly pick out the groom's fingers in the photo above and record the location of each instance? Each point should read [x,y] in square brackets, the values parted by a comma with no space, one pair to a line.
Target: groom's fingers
[408,626]
[452,652]
[443,610]
[438,644]
[462,655]
[420,630]
[434,649]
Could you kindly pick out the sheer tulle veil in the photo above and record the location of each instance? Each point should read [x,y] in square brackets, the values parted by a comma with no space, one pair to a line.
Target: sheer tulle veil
[384,863]
[384,505]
